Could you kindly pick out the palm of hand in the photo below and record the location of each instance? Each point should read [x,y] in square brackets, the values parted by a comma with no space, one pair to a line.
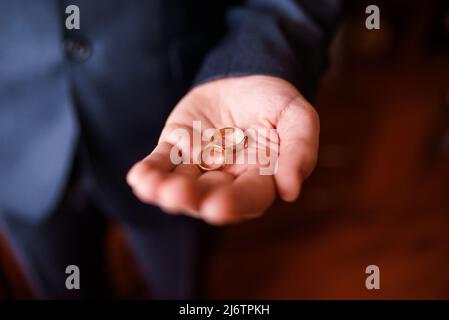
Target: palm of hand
[238,191]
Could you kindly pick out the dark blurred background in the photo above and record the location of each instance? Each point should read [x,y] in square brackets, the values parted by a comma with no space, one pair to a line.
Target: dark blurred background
[379,194]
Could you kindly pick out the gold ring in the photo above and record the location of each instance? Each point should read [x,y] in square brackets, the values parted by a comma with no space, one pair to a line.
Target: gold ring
[230,138]
[206,165]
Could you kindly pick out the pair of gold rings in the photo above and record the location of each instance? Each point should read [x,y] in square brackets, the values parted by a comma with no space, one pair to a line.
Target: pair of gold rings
[228,140]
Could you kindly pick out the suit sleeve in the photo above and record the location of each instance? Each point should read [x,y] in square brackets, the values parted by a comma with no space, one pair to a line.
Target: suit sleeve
[284,38]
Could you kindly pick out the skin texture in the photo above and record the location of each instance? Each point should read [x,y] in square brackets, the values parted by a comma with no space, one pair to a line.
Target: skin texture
[239,191]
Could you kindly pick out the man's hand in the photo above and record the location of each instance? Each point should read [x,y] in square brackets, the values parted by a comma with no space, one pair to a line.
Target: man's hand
[239,191]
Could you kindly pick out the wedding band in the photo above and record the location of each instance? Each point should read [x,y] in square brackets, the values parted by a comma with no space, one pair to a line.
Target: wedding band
[204,165]
[224,140]
[230,138]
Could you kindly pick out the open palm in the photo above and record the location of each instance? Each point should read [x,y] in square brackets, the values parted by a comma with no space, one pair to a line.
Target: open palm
[238,191]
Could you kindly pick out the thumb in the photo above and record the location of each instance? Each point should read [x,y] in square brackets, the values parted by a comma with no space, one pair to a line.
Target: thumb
[298,128]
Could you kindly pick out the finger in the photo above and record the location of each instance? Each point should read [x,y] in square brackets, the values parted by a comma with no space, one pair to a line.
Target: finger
[179,194]
[188,170]
[187,186]
[146,189]
[248,196]
[158,160]
[146,175]
[298,129]
[212,180]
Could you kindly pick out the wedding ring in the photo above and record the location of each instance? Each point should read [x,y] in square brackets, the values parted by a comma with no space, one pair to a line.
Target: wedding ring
[224,143]
[230,139]
[214,160]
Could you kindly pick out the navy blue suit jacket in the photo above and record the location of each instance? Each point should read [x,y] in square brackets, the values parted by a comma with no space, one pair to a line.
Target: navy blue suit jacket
[103,92]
